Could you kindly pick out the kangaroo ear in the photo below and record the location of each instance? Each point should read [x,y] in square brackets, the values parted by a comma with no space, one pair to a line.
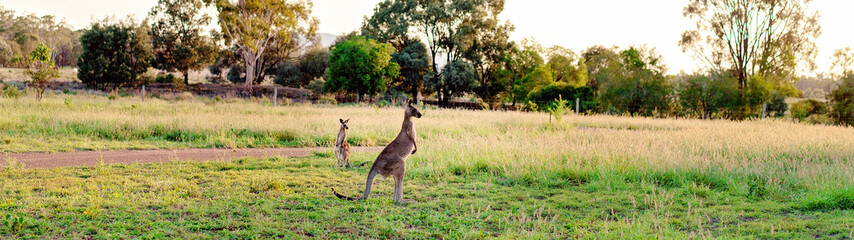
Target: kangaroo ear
[346,121]
[341,120]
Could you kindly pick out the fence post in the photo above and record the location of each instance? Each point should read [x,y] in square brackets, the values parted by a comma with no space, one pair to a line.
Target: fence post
[577,102]
[764,106]
[143,93]
[275,95]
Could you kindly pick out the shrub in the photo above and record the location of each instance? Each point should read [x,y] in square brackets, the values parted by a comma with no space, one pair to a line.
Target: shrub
[805,108]
[327,99]
[316,85]
[777,106]
[11,91]
[558,108]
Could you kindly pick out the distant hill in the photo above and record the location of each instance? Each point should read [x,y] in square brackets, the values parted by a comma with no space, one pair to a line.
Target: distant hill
[327,39]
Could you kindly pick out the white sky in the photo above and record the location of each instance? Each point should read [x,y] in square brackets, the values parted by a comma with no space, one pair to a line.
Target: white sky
[574,24]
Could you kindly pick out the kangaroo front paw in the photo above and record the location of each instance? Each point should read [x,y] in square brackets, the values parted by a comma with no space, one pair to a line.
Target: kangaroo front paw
[413,151]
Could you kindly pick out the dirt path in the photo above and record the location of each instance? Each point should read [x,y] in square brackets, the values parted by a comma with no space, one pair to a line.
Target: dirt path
[65,159]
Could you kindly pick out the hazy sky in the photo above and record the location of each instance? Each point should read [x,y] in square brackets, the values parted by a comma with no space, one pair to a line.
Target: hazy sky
[574,24]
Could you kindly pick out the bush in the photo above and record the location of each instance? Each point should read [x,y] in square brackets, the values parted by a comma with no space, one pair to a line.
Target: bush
[177,83]
[168,78]
[805,108]
[316,85]
[237,74]
[113,55]
[327,99]
[819,119]
[777,107]
[11,91]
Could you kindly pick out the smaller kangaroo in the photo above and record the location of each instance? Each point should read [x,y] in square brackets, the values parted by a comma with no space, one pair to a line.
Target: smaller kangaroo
[342,148]
[392,160]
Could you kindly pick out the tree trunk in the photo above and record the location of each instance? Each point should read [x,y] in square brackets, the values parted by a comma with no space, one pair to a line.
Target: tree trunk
[249,58]
[187,78]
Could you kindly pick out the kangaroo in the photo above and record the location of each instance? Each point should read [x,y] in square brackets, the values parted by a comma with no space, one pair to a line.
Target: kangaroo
[342,148]
[392,160]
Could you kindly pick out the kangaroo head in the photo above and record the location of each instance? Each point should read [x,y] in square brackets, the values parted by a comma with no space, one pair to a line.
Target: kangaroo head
[412,110]
[344,123]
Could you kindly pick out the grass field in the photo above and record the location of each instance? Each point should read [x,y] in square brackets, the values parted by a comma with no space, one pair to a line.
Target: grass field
[477,174]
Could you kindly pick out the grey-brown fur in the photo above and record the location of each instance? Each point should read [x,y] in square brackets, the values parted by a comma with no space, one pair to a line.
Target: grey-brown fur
[392,160]
[342,148]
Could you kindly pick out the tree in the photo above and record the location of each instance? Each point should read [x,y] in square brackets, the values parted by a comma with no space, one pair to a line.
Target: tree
[602,64]
[414,65]
[522,61]
[567,66]
[113,55]
[254,26]
[486,45]
[842,101]
[843,62]
[313,64]
[448,27]
[770,38]
[41,69]
[299,72]
[705,95]
[177,38]
[360,66]
[288,74]
[457,78]
[640,88]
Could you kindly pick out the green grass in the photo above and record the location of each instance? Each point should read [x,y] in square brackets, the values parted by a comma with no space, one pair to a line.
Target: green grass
[290,197]
[477,174]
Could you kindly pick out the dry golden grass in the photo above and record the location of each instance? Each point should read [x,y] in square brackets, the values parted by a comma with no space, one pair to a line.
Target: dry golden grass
[778,153]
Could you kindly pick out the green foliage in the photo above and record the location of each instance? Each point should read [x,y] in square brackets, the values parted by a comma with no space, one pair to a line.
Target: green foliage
[554,91]
[842,100]
[706,95]
[177,37]
[806,108]
[831,199]
[414,63]
[114,55]
[558,108]
[460,30]
[21,33]
[603,64]
[360,66]
[11,91]
[640,88]
[567,66]
[299,73]
[316,85]
[13,224]
[327,100]
[264,32]
[777,106]
[457,78]
[523,60]
[288,74]
[41,69]
[538,78]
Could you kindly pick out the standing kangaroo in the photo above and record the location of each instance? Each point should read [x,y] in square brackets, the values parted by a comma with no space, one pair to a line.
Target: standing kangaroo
[342,148]
[392,160]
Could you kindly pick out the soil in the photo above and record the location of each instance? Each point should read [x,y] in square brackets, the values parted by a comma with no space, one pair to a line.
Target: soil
[91,158]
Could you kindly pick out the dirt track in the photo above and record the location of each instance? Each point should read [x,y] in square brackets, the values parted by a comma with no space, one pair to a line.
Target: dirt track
[65,159]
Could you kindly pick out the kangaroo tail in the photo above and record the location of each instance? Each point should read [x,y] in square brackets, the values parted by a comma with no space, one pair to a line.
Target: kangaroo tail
[342,196]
